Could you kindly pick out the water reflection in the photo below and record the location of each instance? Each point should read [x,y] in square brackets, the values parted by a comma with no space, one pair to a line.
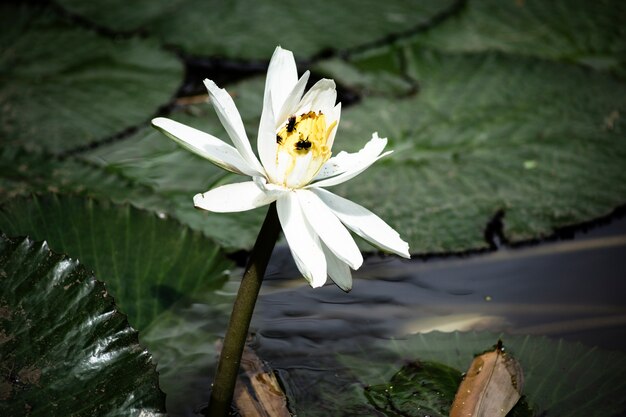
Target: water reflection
[572,289]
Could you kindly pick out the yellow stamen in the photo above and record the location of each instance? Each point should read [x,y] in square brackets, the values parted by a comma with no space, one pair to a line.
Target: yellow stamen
[304,135]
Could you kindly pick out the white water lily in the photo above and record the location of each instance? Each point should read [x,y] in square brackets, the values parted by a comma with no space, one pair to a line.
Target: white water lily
[295,139]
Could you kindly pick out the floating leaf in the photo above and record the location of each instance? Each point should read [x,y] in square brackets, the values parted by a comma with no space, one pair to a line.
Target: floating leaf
[165,276]
[66,350]
[258,393]
[491,387]
[370,82]
[471,144]
[418,389]
[490,133]
[25,172]
[148,263]
[151,160]
[65,87]
[587,32]
[242,29]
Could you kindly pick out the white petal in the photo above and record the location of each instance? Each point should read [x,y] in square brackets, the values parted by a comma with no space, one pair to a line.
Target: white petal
[231,120]
[293,99]
[228,198]
[266,140]
[269,187]
[321,96]
[282,163]
[303,242]
[345,165]
[299,175]
[328,227]
[364,223]
[334,116]
[338,271]
[205,145]
[282,76]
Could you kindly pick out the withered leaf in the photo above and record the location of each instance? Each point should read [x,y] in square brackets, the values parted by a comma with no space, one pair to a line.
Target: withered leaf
[258,393]
[492,386]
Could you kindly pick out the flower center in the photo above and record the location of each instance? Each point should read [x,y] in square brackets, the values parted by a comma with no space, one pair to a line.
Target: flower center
[302,148]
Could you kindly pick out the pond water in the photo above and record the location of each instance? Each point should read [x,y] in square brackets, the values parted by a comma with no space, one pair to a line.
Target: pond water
[570,289]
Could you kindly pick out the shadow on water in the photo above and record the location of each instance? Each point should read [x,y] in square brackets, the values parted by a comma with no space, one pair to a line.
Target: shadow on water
[571,289]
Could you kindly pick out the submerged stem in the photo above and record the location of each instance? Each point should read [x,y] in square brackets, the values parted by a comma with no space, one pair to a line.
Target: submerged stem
[237,332]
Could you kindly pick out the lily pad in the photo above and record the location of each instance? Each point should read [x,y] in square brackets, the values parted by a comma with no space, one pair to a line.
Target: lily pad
[147,171]
[487,133]
[25,172]
[541,142]
[587,32]
[65,87]
[367,83]
[64,342]
[419,389]
[167,277]
[247,29]
[149,263]
[151,160]
[561,378]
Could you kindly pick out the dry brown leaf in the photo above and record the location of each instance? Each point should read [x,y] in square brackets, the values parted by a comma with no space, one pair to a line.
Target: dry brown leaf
[492,386]
[258,394]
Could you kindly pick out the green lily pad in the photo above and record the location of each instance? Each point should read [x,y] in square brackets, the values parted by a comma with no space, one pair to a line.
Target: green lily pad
[561,378]
[541,142]
[251,30]
[587,32]
[66,349]
[150,159]
[166,277]
[148,262]
[25,172]
[65,87]
[419,389]
[147,171]
[486,133]
[368,83]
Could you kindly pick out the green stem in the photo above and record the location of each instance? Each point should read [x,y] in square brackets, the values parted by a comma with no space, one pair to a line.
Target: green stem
[237,332]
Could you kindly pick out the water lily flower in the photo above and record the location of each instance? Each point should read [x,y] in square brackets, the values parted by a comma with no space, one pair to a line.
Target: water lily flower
[294,142]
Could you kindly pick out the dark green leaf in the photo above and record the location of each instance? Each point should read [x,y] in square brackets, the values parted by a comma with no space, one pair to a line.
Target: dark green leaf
[371,82]
[542,142]
[486,133]
[148,262]
[588,32]
[175,175]
[65,87]
[419,389]
[251,30]
[166,277]
[24,172]
[65,348]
